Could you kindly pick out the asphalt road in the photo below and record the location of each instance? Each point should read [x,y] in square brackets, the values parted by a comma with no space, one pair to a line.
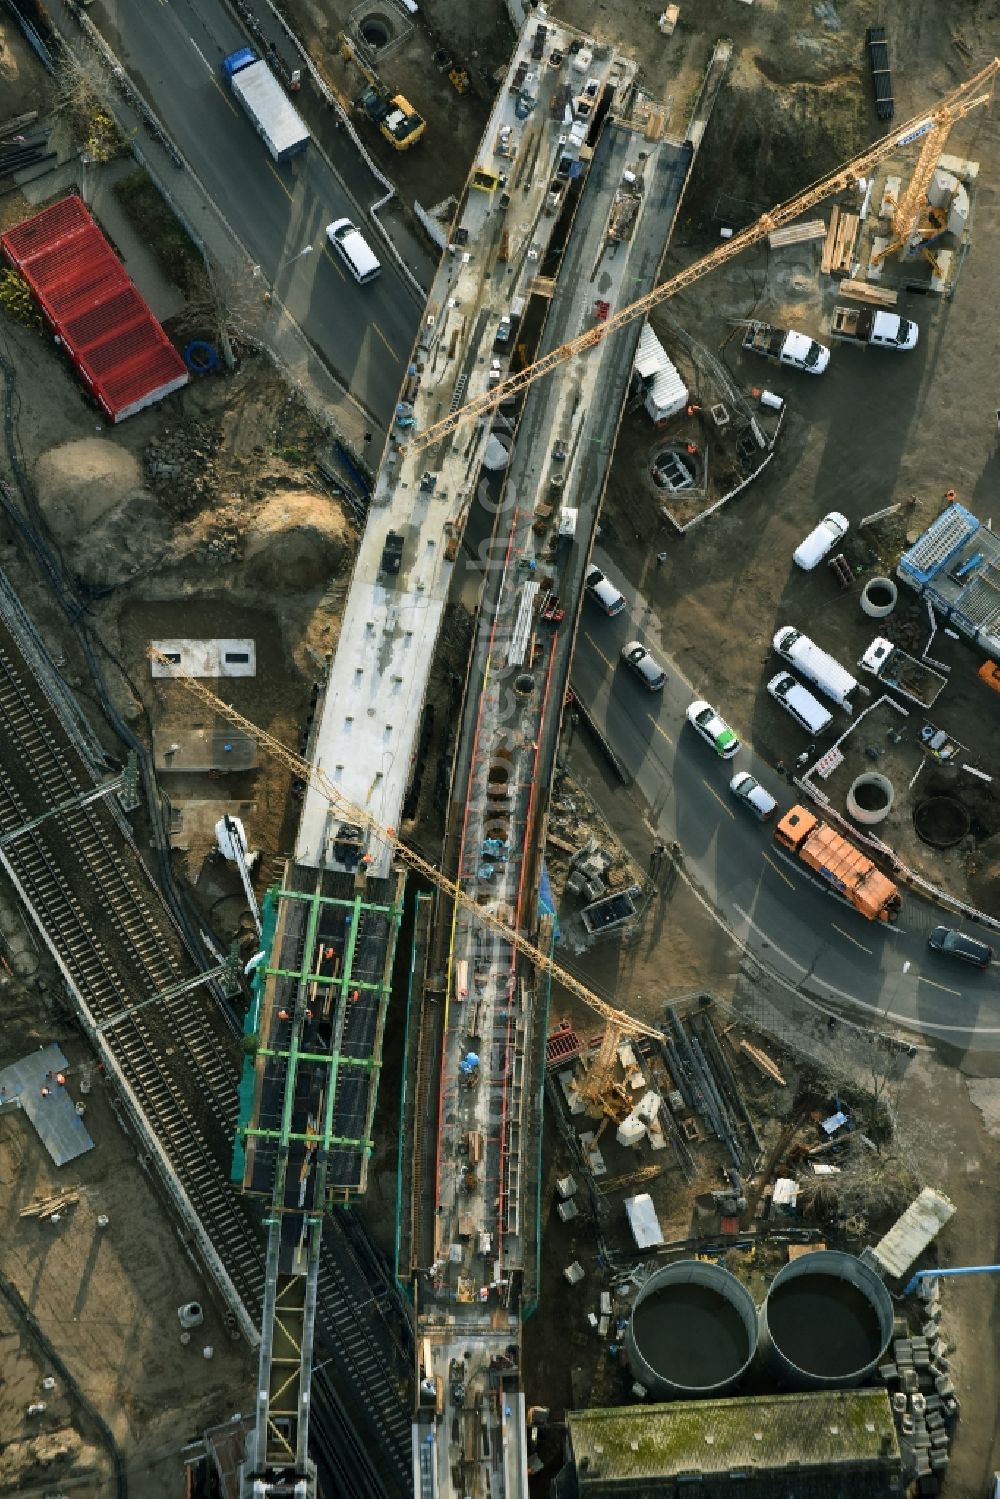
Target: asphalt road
[172,49]
[807,937]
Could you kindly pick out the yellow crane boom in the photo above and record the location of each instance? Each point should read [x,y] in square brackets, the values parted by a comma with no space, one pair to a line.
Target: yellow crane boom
[935,130]
[952,107]
[622,1023]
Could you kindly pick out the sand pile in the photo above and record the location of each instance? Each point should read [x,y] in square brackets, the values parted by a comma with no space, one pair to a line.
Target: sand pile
[295,541]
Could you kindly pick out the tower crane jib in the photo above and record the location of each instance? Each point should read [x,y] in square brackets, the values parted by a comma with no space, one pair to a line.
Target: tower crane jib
[952,107]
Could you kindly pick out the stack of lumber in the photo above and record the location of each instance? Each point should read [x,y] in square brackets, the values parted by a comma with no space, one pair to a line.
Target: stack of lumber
[862,291]
[795,234]
[841,238]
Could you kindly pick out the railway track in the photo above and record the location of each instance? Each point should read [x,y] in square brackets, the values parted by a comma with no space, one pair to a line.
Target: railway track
[102,914]
[84,878]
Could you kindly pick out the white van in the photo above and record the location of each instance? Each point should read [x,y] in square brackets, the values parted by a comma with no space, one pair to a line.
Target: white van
[799,703]
[822,670]
[820,540]
[354,250]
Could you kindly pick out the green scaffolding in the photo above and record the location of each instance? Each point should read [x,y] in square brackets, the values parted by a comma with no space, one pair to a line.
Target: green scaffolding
[294,1053]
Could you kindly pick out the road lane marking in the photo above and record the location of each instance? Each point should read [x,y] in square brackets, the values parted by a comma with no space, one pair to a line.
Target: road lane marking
[849,938]
[779,872]
[388,345]
[201,54]
[711,789]
[281,184]
[335,262]
[597,650]
[666,736]
[943,987]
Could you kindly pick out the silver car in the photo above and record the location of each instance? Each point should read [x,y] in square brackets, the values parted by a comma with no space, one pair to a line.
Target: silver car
[748,790]
[649,672]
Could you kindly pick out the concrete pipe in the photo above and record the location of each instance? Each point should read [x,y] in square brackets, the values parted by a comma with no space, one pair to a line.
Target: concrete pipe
[878,598]
[869,801]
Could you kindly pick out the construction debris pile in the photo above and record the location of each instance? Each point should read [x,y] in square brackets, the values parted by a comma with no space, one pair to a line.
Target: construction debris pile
[180,466]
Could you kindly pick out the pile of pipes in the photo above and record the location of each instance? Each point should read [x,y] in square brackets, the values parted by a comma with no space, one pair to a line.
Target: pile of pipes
[924,1403]
[708,1085]
[23,144]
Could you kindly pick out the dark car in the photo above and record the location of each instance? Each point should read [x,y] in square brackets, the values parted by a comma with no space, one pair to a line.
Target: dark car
[957,945]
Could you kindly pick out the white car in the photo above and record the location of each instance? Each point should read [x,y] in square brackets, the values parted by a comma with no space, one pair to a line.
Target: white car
[714,730]
[649,672]
[603,591]
[822,539]
[748,790]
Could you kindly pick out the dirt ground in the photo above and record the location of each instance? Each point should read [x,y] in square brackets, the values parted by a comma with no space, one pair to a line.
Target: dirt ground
[207,512]
[106,1298]
[478,38]
[856,443]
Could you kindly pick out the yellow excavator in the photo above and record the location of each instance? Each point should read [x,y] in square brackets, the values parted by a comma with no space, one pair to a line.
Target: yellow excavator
[392,114]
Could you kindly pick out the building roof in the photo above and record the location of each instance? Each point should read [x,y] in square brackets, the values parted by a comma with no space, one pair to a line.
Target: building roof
[120,350]
[820,1429]
[910,1235]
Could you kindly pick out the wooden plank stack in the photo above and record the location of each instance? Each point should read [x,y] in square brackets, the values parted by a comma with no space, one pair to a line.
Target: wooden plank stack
[837,258]
[863,291]
[796,234]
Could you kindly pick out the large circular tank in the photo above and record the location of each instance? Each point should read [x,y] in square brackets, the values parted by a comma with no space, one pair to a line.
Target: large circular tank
[825,1323]
[693,1331]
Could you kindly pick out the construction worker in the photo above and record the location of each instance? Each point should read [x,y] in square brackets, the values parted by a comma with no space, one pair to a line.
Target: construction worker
[284,1015]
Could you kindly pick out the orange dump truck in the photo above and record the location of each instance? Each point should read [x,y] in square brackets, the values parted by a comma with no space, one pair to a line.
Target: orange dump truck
[839,864]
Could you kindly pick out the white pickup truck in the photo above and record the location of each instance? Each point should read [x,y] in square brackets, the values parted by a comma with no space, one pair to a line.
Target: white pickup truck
[784,346]
[869,325]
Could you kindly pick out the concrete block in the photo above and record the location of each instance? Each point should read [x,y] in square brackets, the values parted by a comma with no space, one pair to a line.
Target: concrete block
[901,1348]
[887,1373]
[943,1384]
[940,1440]
[906,1424]
[898,1403]
[909,1381]
[918,1404]
[939,1462]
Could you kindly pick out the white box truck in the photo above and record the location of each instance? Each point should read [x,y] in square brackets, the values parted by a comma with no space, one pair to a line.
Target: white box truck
[264,101]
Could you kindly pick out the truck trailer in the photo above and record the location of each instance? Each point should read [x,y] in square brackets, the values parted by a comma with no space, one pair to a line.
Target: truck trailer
[911,678]
[842,868]
[874,327]
[784,346]
[265,103]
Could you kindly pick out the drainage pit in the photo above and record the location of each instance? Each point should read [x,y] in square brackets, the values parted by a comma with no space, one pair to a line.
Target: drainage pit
[941,821]
[376,31]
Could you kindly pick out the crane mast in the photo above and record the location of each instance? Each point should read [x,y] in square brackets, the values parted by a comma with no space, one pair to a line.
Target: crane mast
[952,107]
